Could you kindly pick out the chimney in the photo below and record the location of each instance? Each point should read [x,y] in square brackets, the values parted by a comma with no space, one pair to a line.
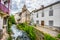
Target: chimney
[42,6]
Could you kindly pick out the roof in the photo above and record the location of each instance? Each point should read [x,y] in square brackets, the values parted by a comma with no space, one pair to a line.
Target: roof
[4,8]
[46,6]
[24,9]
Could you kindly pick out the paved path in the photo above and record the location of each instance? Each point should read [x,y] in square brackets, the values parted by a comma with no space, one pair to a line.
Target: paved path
[48,31]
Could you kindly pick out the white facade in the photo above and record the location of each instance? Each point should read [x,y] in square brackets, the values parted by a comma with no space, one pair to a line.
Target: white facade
[1,22]
[55,18]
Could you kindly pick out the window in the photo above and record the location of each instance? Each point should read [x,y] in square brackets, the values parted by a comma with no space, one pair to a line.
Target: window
[42,13]
[37,15]
[5,21]
[37,22]
[51,23]
[51,12]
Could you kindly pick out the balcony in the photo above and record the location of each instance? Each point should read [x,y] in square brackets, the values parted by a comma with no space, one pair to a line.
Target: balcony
[4,9]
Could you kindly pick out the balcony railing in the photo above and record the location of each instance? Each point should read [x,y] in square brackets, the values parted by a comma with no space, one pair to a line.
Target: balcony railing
[4,8]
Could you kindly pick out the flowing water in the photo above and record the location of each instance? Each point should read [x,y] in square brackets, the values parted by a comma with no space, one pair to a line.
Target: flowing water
[18,34]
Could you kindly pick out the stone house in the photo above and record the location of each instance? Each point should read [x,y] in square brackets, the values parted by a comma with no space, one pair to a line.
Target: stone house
[24,15]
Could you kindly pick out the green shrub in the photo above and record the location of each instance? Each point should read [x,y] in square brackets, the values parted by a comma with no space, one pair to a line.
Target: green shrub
[11,21]
[58,35]
[31,33]
[48,37]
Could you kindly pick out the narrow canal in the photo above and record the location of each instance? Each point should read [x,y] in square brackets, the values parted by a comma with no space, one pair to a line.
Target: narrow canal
[18,34]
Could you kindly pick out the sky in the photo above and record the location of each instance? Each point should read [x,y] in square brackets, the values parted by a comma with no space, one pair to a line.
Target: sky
[16,5]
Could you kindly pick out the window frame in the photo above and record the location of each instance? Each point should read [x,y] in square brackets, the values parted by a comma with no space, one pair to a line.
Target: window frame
[52,22]
[42,13]
[37,15]
[51,12]
[37,21]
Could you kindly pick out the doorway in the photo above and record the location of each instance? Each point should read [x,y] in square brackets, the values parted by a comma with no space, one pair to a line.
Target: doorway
[5,21]
[42,23]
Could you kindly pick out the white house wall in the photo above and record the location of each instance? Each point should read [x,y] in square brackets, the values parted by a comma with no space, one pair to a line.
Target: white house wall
[46,18]
[1,22]
[55,17]
[57,14]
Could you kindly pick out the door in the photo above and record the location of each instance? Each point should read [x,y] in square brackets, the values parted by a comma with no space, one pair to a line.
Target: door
[42,23]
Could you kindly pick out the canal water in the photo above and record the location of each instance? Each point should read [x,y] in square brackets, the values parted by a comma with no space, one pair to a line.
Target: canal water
[18,34]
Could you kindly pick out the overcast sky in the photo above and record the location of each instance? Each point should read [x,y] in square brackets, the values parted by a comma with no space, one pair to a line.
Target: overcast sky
[16,5]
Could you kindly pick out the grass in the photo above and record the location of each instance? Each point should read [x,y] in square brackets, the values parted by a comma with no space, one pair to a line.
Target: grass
[58,36]
[28,29]
[48,37]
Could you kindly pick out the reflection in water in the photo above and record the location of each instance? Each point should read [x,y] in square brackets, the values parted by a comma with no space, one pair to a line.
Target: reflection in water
[18,34]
